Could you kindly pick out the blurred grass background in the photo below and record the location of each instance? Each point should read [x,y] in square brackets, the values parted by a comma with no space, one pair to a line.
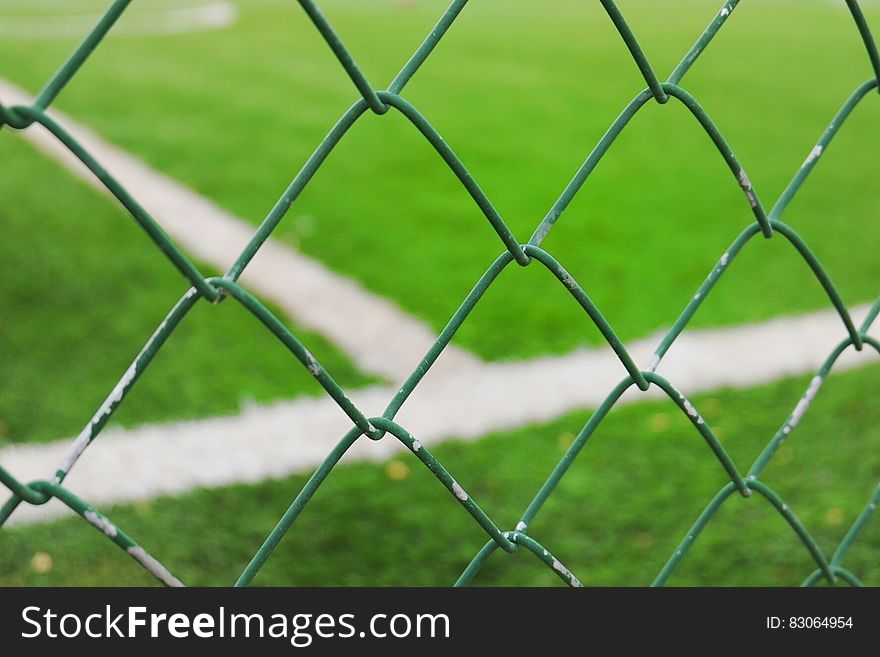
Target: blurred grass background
[522,93]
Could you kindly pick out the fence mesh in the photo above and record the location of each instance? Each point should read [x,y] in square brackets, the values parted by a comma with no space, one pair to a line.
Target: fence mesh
[216,289]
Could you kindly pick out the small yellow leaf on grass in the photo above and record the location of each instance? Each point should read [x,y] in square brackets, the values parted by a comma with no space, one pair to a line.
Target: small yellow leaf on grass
[41,562]
[565,440]
[659,422]
[143,508]
[397,470]
[834,516]
[785,455]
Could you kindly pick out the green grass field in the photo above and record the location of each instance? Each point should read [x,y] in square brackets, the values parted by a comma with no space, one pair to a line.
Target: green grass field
[77,312]
[522,93]
[616,518]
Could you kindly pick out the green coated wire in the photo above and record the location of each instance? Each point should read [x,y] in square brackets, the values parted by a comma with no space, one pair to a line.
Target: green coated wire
[380,102]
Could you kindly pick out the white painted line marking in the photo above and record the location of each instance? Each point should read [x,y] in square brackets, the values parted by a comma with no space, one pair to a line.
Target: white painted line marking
[460,397]
[172,20]
[377,335]
[280,439]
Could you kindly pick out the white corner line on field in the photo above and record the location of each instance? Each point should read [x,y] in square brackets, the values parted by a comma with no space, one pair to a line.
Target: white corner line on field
[376,334]
[276,440]
[461,397]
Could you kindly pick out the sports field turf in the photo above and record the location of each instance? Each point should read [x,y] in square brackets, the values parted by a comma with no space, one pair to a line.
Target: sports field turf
[82,291]
[617,516]
[522,93]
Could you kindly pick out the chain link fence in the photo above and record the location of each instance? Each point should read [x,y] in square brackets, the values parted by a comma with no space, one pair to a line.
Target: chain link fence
[216,289]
